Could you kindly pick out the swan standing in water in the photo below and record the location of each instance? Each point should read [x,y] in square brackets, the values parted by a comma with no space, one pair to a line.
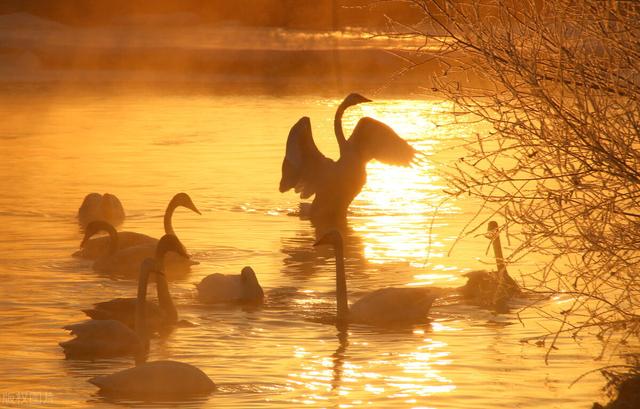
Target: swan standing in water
[223,288]
[159,316]
[386,306]
[336,184]
[110,338]
[154,380]
[124,262]
[95,247]
[105,207]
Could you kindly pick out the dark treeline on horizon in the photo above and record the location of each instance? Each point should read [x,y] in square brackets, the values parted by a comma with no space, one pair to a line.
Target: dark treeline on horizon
[294,14]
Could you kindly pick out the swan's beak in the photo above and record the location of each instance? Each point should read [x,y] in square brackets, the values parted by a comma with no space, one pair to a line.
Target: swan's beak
[195,209]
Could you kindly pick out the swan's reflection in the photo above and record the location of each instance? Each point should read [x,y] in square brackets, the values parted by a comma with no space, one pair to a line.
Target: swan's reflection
[339,355]
[304,261]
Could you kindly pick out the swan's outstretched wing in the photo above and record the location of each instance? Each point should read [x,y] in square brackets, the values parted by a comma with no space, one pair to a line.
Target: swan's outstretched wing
[375,140]
[303,165]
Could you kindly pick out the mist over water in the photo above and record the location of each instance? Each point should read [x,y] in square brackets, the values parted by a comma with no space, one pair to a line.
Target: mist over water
[226,152]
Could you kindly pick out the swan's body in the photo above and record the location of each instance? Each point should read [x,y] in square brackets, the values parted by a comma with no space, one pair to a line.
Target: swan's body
[101,339]
[336,183]
[124,310]
[154,380]
[221,288]
[110,338]
[386,306]
[491,289]
[96,247]
[124,262]
[105,207]
[158,316]
[158,379]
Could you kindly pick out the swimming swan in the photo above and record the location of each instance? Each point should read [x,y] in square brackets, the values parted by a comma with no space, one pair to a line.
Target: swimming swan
[110,338]
[491,289]
[224,288]
[105,207]
[159,316]
[336,184]
[95,247]
[386,306]
[125,262]
[157,380]
[154,380]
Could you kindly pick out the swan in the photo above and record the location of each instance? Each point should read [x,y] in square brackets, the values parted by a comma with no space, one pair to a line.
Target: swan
[386,306]
[110,338]
[159,316]
[336,183]
[157,379]
[95,247]
[105,207]
[225,288]
[491,289]
[124,262]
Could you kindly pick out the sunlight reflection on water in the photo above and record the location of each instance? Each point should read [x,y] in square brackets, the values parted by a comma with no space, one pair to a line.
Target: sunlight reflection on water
[226,152]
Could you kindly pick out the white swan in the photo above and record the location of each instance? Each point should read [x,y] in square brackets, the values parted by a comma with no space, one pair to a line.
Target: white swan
[125,262]
[158,316]
[110,338]
[221,288]
[336,184]
[386,306]
[95,247]
[154,380]
[105,207]
[157,380]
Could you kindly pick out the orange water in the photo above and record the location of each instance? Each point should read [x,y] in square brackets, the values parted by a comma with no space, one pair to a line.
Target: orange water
[226,151]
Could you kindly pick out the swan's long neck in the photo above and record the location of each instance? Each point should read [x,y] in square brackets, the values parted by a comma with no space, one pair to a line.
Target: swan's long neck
[337,127]
[168,215]
[141,319]
[164,298]
[113,241]
[341,286]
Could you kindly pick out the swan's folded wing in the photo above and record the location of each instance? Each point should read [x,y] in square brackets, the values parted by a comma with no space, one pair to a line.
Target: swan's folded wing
[303,164]
[375,140]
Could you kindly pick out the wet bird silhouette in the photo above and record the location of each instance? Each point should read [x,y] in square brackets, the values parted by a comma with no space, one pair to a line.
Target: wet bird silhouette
[336,183]
[383,307]
[158,316]
[240,288]
[95,247]
[105,207]
[156,380]
[110,338]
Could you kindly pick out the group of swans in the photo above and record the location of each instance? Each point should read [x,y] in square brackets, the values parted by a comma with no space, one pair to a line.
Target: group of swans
[122,326]
[154,379]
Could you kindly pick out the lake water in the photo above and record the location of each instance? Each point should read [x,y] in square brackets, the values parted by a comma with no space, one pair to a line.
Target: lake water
[226,152]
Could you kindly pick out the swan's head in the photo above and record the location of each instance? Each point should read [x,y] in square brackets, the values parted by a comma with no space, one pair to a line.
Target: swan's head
[251,290]
[95,227]
[248,275]
[333,238]
[167,243]
[353,99]
[183,199]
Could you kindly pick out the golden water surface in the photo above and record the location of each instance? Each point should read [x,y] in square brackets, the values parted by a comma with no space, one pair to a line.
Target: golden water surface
[226,151]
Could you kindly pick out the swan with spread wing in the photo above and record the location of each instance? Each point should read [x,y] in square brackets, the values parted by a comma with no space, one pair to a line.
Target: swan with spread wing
[336,183]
